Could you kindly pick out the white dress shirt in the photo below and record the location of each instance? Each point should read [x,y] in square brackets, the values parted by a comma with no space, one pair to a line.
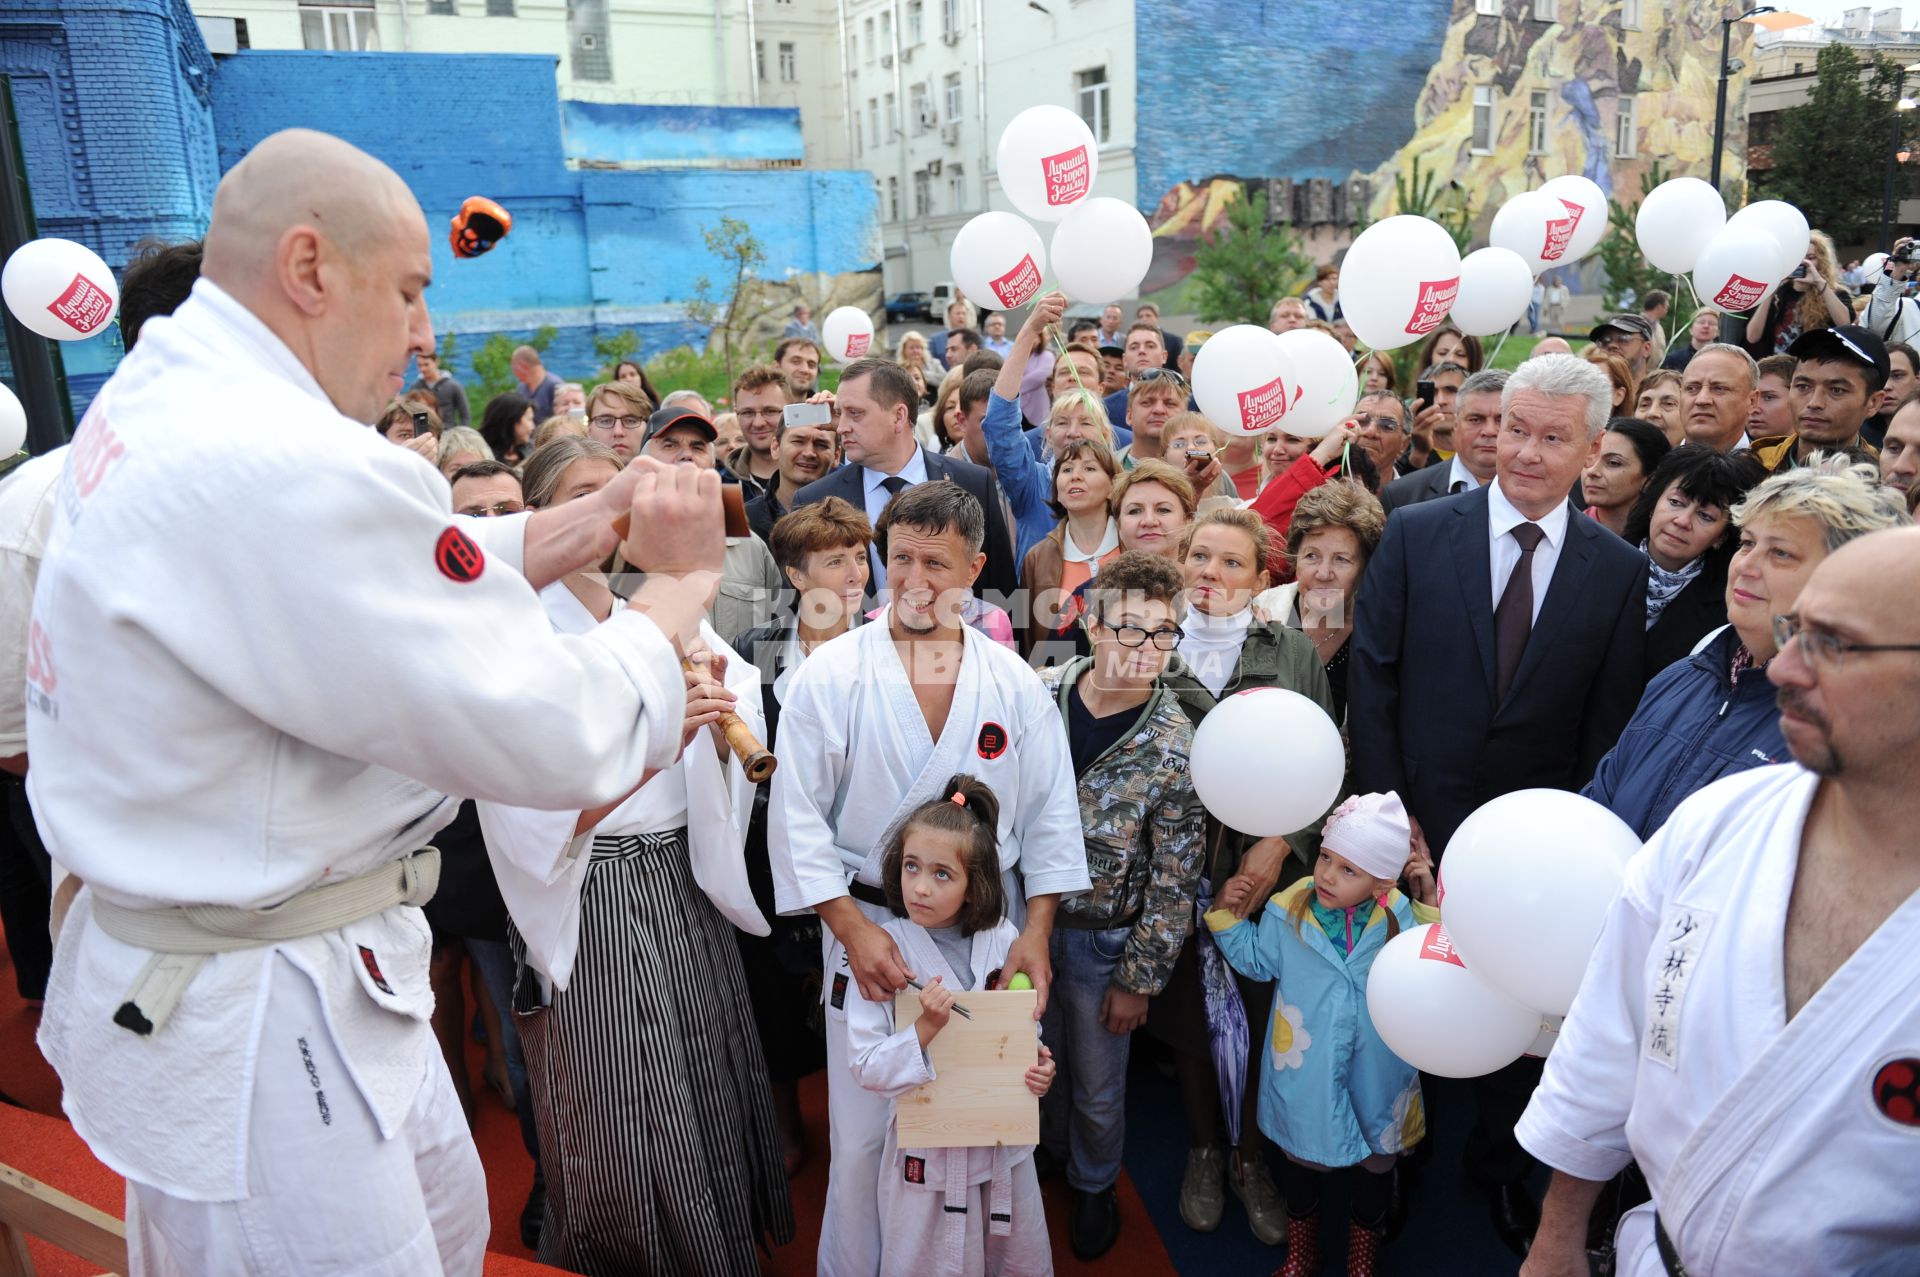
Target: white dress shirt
[915,471]
[1459,478]
[1502,519]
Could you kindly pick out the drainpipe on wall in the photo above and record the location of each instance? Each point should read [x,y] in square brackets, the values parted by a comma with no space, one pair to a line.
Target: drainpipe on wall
[753,62]
[720,51]
[846,85]
[906,176]
[980,90]
[406,31]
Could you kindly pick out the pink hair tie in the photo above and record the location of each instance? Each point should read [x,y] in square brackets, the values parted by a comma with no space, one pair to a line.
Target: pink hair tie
[959,799]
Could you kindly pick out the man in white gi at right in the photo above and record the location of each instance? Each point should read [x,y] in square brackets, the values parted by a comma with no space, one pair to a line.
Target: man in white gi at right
[872,725]
[263,653]
[1748,1031]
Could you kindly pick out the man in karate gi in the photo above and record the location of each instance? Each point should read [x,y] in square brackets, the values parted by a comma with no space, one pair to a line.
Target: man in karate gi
[872,725]
[243,733]
[1748,1030]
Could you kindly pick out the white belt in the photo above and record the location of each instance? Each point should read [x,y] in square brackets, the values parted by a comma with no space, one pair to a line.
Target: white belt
[184,937]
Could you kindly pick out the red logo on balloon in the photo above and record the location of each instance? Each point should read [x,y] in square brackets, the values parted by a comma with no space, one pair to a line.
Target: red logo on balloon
[1740,293]
[1438,947]
[1067,176]
[1436,299]
[858,344]
[1263,405]
[83,307]
[1560,232]
[1896,1091]
[1017,286]
[457,557]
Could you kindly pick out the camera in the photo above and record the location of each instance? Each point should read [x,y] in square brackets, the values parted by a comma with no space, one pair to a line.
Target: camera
[806,414]
[1799,272]
[1905,253]
[420,424]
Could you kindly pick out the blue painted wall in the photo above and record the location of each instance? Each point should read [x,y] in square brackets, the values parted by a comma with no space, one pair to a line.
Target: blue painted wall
[114,101]
[610,133]
[1318,88]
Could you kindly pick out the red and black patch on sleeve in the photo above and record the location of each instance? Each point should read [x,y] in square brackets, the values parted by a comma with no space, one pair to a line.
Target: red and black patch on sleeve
[457,557]
[992,742]
[1896,1091]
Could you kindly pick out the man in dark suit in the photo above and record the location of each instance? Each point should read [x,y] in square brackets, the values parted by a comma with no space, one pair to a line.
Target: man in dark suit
[1476,432]
[1497,646]
[875,412]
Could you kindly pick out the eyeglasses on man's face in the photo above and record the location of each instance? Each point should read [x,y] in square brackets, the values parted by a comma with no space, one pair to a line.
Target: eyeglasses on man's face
[605,422]
[1824,651]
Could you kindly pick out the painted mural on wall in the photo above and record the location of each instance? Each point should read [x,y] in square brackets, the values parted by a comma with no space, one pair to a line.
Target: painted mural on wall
[1393,82]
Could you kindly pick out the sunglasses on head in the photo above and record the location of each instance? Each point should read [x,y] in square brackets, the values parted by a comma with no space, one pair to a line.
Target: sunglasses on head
[1157,374]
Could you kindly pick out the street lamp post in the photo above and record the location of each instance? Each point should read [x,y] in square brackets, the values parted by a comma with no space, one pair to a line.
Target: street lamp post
[1894,157]
[1779,21]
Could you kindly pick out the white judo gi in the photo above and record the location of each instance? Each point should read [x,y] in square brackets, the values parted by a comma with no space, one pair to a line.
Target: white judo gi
[945,1212]
[855,760]
[263,652]
[1770,1146]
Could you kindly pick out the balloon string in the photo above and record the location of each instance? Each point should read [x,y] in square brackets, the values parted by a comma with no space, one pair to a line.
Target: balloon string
[1494,358]
[1061,342]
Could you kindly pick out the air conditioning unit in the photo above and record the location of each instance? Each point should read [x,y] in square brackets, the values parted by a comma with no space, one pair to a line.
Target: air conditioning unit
[906,55]
[949,37]
[950,133]
[935,167]
[886,59]
[928,120]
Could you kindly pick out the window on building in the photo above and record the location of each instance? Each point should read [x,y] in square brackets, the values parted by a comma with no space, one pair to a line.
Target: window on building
[916,21]
[440,9]
[893,117]
[953,98]
[873,121]
[1091,88]
[951,18]
[867,27]
[893,199]
[1626,129]
[789,63]
[339,28]
[1630,14]
[1537,122]
[918,112]
[956,188]
[760,59]
[1546,10]
[1482,143]
[923,194]
[499,8]
[1490,7]
[886,32]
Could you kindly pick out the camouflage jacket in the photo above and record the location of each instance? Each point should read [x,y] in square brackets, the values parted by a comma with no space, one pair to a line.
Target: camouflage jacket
[1143,829]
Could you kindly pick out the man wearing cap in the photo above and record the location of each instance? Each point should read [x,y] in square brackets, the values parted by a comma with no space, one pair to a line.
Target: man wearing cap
[749,579]
[1837,385]
[1629,336]
[1195,339]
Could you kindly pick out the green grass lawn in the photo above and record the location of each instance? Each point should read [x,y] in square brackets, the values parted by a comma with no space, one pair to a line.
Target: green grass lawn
[1517,348]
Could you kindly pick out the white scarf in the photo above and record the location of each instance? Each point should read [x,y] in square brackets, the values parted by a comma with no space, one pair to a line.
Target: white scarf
[1212,645]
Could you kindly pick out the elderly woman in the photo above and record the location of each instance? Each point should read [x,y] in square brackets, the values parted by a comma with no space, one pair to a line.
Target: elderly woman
[461,446]
[1224,650]
[1661,403]
[1085,539]
[1336,528]
[1682,523]
[1152,505]
[653,881]
[821,550]
[1630,450]
[1714,713]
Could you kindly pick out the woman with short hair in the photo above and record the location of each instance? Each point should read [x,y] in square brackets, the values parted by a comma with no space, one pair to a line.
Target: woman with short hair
[1336,528]
[462,446]
[1085,539]
[1683,524]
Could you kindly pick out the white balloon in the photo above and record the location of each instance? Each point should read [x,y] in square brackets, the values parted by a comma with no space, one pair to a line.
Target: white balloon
[1736,268]
[1433,1012]
[1529,879]
[13,423]
[1245,381]
[1398,281]
[60,289]
[1870,268]
[1047,161]
[1549,1034]
[1101,251]
[1586,203]
[1535,226]
[847,333]
[1267,761]
[1785,223]
[1496,286]
[1329,384]
[998,255]
[1676,220]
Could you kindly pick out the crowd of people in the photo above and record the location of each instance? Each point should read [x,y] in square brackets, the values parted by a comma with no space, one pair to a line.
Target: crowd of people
[991,586]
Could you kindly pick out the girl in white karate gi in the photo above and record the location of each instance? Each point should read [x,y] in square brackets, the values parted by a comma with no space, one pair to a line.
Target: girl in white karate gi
[1331,1093]
[947,1212]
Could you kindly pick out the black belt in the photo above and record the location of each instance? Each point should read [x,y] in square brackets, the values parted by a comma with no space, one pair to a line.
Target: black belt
[1669,1253]
[867,894]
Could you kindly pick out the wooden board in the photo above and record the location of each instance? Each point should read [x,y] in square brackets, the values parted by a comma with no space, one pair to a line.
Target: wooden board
[29,1207]
[979,1096]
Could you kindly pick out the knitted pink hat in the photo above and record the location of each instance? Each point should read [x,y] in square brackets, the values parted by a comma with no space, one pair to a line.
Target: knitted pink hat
[1372,831]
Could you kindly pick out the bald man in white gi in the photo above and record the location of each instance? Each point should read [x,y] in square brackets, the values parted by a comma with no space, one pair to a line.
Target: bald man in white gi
[263,652]
[1748,1030]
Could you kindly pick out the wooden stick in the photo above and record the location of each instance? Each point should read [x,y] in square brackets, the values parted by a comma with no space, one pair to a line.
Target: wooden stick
[40,1210]
[758,761]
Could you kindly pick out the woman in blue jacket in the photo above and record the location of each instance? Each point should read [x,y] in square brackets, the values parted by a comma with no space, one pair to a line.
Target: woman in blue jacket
[1713,713]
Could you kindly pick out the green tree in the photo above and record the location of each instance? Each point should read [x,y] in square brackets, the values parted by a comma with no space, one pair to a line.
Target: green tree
[1421,195]
[1831,158]
[611,348]
[1246,265]
[493,365]
[730,305]
[1629,276]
